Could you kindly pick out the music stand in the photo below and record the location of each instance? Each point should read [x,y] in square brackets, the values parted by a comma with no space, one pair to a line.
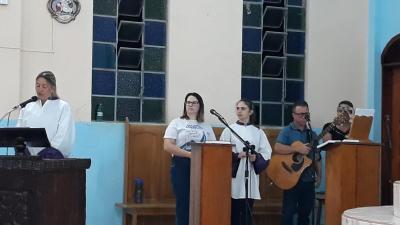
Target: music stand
[20,137]
[360,128]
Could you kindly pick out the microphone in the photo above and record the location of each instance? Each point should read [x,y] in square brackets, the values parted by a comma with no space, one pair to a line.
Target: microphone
[215,113]
[307,117]
[23,104]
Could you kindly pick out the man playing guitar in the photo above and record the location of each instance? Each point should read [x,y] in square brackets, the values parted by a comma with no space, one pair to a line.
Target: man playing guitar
[295,139]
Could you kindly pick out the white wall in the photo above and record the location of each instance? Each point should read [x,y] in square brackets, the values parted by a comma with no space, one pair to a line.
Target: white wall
[337,56]
[35,42]
[204,55]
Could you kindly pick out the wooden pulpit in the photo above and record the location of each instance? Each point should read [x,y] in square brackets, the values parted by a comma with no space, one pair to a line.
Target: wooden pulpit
[42,192]
[210,184]
[352,178]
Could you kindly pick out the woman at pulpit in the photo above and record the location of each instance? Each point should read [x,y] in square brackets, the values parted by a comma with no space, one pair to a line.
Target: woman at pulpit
[179,135]
[257,161]
[52,113]
[339,129]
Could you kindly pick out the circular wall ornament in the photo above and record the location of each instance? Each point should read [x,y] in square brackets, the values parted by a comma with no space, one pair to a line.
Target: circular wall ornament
[64,11]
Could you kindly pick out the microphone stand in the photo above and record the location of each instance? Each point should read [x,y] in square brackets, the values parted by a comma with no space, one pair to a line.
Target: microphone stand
[313,164]
[8,119]
[247,148]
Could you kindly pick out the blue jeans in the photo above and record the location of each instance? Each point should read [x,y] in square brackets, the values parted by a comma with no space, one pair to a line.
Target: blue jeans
[298,200]
[180,178]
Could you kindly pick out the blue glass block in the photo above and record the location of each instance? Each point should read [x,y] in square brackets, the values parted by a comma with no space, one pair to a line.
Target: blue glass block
[154,59]
[129,58]
[251,89]
[252,15]
[296,18]
[153,111]
[288,114]
[105,7]
[251,39]
[128,107]
[108,107]
[129,83]
[103,56]
[271,115]
[154,85]
[295,43]
[251,64]
[294,91]
[272,90]
[295,2]
[103,82]
[273,41]
[155,9]
[104,29]
[154,33]
[252,0]
[295,67]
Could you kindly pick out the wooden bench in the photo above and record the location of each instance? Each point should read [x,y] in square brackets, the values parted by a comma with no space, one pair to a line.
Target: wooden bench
[145,159]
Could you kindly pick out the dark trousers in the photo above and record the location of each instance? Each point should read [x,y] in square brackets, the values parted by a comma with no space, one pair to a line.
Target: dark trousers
[238,210]
[298,200]
[180,178]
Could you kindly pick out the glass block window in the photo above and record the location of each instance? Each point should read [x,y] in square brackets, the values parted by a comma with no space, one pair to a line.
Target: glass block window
[273,57]
[129,47]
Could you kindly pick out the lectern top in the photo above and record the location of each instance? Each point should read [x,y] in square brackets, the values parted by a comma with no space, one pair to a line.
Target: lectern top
[33,137]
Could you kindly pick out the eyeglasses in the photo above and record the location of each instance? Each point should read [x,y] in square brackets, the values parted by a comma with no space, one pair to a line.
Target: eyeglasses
[342,109]
[192,103]
[301,114]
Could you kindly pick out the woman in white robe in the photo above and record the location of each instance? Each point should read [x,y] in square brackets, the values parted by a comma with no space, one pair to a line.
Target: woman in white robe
[51,113]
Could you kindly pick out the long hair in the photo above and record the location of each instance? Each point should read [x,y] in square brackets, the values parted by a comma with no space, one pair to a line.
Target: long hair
[51,79]
[200,113]
[253,118]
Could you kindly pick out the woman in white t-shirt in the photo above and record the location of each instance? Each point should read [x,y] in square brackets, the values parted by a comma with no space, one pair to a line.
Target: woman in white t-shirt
[179,135]
[246,129]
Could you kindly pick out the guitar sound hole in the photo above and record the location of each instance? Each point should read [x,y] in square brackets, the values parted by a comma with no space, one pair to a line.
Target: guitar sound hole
[297,158]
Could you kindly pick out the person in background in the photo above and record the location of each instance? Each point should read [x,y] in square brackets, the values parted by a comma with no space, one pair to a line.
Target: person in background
[179,135]
[341,130]
[51,113]
[300,198]
[245,127]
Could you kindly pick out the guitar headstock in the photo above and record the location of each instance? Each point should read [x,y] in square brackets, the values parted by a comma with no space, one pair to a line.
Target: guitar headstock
[342,118]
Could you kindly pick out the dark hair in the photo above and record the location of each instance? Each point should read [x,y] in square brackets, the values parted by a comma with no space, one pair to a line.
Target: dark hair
[253,118]
[51,79]
[200,114]
[346,102]
[299,103]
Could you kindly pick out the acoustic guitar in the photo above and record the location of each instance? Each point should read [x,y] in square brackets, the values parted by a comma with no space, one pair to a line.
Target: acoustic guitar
[285,170]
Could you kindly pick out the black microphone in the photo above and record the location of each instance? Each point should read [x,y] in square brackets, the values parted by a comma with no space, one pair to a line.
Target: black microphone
[23,104]
[307,117]
[215,113]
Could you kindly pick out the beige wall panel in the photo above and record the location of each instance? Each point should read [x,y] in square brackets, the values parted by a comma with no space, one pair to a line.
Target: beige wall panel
[37,32]
[336,56]
[10,24]
[204,55]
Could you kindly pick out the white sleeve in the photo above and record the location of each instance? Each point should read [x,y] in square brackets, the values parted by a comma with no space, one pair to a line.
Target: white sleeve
[65,135]
[265,148]
[226,135]
[172,131]
[21,122]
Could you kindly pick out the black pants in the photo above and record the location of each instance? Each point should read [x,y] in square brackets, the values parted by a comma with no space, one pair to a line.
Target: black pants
[238,210]
[180,177]
[298,200]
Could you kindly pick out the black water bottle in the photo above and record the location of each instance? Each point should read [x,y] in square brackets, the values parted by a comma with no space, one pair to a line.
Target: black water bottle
[138,198]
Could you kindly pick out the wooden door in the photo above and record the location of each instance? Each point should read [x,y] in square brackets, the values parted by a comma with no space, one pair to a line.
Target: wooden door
[390,133]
